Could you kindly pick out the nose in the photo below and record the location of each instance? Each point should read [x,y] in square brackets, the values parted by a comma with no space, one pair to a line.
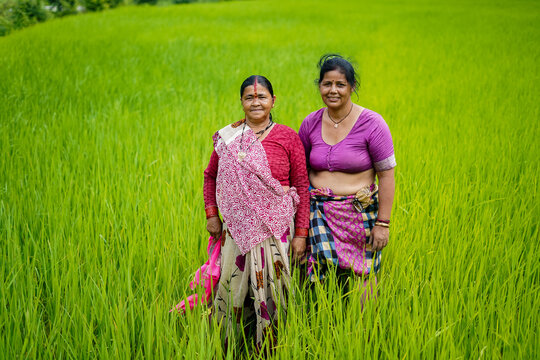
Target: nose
[333,88]
[255,100]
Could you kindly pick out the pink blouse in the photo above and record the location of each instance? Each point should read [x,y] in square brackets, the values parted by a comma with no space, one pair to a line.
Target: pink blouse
[368,145]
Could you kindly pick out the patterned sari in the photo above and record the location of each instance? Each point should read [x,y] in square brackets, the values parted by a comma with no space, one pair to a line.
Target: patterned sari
[258,226]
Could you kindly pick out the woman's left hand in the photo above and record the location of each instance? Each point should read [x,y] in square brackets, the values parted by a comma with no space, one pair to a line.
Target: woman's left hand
[379,237]
[298,246]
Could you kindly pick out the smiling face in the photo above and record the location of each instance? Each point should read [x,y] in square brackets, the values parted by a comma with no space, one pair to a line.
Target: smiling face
[335,89]
[257,103]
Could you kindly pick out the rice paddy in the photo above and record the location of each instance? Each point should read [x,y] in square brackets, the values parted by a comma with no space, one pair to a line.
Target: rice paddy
[105,130]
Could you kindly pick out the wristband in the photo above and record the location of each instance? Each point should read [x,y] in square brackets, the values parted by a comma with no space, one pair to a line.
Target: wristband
[211,211]
[300,232]
[383,221]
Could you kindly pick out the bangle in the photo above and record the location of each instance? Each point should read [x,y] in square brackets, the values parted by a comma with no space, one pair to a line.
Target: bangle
[300,232]
[211,211]
[383,221]
[377,223]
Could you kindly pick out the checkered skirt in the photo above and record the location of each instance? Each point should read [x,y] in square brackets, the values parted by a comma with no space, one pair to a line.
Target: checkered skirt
[339,235]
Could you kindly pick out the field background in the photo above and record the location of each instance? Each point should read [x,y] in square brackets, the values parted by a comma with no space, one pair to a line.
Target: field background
[105,129]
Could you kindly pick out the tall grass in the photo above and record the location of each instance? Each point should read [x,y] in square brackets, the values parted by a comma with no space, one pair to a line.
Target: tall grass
[105,130]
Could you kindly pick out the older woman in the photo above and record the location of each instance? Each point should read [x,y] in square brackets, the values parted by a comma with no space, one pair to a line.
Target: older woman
[257,179]
[347,146]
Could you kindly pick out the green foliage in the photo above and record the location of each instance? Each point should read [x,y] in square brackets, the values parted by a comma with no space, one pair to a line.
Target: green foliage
[141,2]
[104,137]
[27,12]
[94,5]
[6,21]
[114,3]
[63,7]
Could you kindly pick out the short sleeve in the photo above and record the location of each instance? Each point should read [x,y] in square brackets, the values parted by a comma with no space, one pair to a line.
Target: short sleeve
[381,147]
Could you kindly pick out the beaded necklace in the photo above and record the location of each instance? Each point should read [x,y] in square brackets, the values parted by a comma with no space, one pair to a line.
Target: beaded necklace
[243,153]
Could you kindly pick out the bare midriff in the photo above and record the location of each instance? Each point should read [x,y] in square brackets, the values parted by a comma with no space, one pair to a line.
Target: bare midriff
[341,183]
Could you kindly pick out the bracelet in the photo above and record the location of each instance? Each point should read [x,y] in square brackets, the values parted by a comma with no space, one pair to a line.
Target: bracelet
[300,232]
[211,211]
[377,223]
[383,221]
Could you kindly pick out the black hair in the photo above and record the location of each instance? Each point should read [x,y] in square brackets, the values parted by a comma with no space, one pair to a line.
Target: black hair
[260,80]
[330,62]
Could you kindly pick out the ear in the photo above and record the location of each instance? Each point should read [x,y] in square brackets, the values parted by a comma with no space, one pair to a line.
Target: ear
[273,100]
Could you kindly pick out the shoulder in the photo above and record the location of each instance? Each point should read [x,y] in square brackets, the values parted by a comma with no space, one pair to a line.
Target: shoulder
[311,121]
[285,136]
[229,132]
[371,115]
[237,123]
[284,130]
[314,117]
[373,119]
[231,126]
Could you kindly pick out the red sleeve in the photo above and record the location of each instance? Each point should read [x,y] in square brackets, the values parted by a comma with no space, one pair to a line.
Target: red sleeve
[210,174]
[299,179]
[303,133]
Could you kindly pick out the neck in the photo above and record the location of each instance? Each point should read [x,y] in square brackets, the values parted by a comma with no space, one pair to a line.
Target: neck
[342,111]
[257,125]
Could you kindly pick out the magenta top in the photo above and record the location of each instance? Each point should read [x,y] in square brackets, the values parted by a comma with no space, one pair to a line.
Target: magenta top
[368,145]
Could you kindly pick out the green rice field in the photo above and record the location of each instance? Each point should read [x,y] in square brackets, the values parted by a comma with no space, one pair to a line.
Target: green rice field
[105,130]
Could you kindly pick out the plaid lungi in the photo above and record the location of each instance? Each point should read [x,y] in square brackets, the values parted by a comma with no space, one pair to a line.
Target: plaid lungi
[339,234]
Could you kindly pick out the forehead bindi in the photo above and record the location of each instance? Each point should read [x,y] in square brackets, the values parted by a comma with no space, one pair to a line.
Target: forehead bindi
[261,90]
[334,76]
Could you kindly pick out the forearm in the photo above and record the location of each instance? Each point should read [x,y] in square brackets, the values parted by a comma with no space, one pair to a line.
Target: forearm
[387,186]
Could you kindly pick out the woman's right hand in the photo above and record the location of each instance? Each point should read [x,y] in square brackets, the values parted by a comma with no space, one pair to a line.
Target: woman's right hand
[213,225]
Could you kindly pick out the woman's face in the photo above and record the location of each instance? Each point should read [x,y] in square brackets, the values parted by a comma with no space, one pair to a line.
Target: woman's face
[335,90]
[257,103]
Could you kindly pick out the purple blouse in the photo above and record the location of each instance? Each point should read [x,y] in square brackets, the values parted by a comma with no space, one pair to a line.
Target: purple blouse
[368,145]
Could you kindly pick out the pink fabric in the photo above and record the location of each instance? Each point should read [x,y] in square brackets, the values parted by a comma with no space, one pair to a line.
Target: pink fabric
[368,145]
[347,226]
[206,276]
[251,200]
[287,160]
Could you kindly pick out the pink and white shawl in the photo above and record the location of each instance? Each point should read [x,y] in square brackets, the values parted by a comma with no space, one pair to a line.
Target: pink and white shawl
[252,202]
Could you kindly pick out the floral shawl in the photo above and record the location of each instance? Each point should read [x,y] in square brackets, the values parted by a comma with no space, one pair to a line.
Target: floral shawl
[252,202]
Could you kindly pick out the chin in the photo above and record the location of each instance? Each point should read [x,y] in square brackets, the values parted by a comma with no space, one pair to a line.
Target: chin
[334,105]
